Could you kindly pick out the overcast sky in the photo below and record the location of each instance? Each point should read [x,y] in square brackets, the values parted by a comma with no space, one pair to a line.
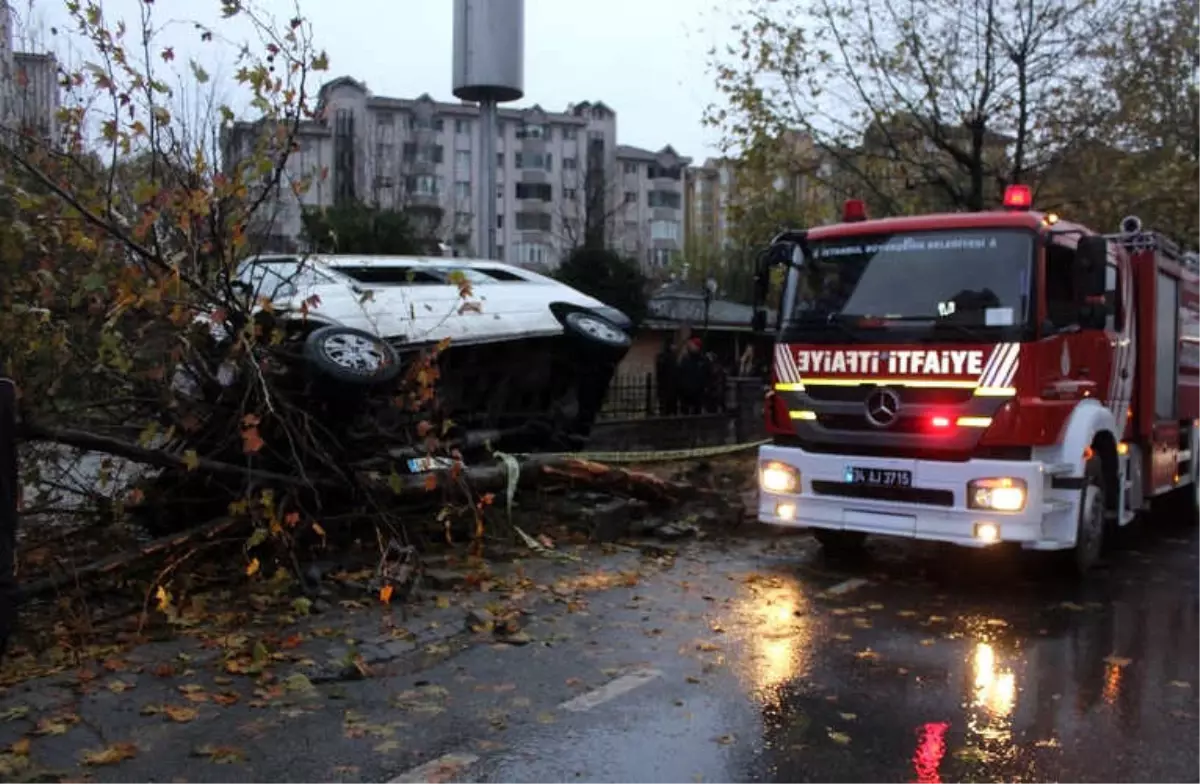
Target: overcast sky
[644,58]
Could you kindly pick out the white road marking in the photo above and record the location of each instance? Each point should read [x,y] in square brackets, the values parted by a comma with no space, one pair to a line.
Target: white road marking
[846,586]
[445,768]
[611,690]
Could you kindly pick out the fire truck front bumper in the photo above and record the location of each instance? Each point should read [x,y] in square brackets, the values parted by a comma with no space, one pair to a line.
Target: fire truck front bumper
[976,503]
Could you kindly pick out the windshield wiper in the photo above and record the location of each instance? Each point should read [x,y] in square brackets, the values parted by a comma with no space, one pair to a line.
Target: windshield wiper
[819,322]
[938,323]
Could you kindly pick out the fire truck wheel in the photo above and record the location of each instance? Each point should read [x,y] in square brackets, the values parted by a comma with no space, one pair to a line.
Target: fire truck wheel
[1089,537]
[840,543]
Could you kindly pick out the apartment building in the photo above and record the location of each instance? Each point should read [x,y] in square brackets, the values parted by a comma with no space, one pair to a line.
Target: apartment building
[555,173]
[29,89]
[707,192]
[652,187]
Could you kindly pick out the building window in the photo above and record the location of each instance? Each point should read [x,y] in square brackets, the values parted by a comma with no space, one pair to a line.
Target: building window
[462,221]
[426,123]
[631,197]
[569,134]
[425,153]
[663,199]
[530,253]
[569,164]
[533,221]
[533,131]
[500,252]
[664,230]
[462,191]
[462,161]
[500,160]
[499,221]
[533,160]
[656,172]
[631,167]
[500,128]
[462,127]
[423,185]
[529,190]
[661,257]
[570,194]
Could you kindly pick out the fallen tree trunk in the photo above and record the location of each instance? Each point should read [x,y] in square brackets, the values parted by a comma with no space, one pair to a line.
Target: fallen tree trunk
[113,563]
[81,439]
[540,469]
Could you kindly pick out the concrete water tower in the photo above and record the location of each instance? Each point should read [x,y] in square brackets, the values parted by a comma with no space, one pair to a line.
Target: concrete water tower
[489,68]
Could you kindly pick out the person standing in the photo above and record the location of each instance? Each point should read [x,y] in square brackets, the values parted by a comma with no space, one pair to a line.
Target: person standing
[666,375]
[693,378]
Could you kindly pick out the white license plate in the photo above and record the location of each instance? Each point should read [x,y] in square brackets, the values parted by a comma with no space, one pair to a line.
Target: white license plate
[419,465]
[878,477]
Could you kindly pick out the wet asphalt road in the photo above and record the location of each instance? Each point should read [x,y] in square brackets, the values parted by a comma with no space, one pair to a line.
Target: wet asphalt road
[743,669]
[752,659]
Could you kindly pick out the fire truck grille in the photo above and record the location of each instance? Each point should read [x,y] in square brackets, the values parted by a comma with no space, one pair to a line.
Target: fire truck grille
[858,422]
[903,495]
[911,395]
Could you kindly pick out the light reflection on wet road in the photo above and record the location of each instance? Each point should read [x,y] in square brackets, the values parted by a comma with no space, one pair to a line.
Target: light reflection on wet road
[980,672]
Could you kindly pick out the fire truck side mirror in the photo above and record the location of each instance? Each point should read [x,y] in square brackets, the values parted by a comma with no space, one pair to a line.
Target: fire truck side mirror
[1091,260]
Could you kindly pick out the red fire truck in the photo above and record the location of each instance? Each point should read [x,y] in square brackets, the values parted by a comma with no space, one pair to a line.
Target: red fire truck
[977,378]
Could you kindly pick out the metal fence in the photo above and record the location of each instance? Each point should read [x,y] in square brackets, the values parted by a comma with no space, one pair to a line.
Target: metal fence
[635,396]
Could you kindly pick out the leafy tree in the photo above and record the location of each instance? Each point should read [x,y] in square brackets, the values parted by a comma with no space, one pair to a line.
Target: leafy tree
[609,277]
[119,246]
[1144,157]
[954,96]
[360,228]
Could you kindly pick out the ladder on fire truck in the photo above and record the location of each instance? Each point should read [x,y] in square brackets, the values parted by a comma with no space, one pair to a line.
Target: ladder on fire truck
[1134,237]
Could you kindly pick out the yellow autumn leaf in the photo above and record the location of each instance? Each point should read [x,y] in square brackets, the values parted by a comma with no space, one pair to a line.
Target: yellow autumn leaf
[110,755]
[191,460]
[385,594]
[163,598]
[180,713]
[252,567]
[318,530]
[839,737]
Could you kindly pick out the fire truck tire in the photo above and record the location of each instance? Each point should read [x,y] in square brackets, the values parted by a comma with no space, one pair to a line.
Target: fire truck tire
[1089,535]
[840,543]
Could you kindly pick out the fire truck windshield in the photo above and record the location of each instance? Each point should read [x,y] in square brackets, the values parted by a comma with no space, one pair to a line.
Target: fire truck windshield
[976,280]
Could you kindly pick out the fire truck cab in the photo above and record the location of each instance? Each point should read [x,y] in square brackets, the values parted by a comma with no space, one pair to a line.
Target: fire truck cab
[979,378]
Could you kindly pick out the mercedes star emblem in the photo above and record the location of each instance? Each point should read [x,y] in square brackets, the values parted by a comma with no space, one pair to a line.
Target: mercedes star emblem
[882,407]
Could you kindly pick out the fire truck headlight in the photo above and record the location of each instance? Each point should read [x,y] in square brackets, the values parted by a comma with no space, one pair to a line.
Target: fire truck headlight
[1002,494]
[776,477]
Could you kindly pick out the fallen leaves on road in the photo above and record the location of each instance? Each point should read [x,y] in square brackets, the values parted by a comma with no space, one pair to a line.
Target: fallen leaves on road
[118,686]
[971,754]
[546,717]
[387,747]
[1181,684]
[220,755]
[842,637]
[20,747]
[839,737]
[707,647]
[180,713]
[867,655]
[56,725]
[848,716]
[110,755]
[14,713]
[907,613]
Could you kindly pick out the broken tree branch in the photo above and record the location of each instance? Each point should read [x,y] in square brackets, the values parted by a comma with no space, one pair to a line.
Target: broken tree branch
[541,469]
[122,561]
[82,439]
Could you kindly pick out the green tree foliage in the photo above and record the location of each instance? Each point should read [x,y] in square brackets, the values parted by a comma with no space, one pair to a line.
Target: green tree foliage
[1144,157]
[361,228]
[609,277]
[953,97]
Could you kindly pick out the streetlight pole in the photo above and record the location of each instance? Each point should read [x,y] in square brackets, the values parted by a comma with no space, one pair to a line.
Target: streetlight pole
[710,289]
